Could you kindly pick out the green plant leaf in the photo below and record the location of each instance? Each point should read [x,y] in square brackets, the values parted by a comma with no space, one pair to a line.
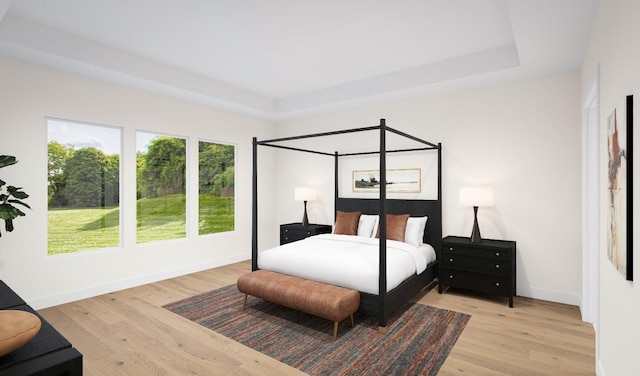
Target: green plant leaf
[10,195]
[9,212]
[16,192]
[19,203]
[8,225]
[7,160]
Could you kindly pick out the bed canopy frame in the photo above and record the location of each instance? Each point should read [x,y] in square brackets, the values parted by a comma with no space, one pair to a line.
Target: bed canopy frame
[385,303]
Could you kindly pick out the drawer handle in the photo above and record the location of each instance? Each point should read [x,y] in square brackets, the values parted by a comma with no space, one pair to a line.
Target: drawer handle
[450,260]
[498,284]
[450,276]
[308,232]
[451,249]
[286,230]
[497,254]
[497,266]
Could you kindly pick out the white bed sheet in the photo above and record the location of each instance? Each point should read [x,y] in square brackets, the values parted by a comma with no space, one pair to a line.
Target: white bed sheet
[347,261]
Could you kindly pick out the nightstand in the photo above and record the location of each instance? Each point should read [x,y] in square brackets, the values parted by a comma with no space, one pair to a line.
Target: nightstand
[291,232]
[488,267]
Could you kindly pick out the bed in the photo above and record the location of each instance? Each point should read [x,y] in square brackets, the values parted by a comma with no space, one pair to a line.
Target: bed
[392,291]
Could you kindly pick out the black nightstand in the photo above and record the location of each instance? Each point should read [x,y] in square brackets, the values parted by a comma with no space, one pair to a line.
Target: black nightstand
[296,231]
[488,267]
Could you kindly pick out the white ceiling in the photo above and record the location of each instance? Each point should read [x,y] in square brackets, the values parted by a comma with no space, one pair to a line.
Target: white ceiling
[279,58]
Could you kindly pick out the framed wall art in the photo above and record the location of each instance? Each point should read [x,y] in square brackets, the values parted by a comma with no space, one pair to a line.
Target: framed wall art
[620,188]
[405,180]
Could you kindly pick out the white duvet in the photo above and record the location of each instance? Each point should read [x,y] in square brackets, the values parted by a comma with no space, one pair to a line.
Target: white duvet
[347,261]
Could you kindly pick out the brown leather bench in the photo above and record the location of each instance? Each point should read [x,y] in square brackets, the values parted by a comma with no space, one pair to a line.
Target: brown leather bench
[320,299]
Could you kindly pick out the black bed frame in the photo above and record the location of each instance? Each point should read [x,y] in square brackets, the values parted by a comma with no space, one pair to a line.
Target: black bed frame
[385,303]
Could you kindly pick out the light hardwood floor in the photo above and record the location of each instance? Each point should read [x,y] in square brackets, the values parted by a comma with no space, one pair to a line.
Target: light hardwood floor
[128,333]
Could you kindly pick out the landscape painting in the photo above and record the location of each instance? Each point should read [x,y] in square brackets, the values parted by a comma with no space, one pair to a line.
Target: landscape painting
[398,180]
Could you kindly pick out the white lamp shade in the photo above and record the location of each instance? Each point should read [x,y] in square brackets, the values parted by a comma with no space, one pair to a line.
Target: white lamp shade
[476,196]
[305,194]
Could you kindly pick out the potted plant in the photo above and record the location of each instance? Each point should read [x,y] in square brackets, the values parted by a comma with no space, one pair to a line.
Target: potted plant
[10,196]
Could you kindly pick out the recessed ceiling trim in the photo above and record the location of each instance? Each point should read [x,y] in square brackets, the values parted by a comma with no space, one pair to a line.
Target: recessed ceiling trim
[4,7]
[482,62]
[39,44]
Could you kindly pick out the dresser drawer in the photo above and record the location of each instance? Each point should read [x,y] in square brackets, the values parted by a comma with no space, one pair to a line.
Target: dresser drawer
[292,232]
[494,265]
[486,283]
[288,235]
[475,251]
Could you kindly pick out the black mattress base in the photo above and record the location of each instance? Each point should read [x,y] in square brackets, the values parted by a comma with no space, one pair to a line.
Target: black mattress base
[396,298]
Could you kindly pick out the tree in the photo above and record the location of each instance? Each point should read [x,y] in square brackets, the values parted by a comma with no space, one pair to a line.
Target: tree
[216,165]
[223,183]
[58,155]
[84,178]
[111,183]
[164,169]
[140,167]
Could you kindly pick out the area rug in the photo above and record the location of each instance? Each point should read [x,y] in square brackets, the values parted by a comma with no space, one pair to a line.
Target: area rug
[417,341]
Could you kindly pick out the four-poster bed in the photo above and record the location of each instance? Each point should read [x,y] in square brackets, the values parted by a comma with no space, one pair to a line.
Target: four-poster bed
[383,303]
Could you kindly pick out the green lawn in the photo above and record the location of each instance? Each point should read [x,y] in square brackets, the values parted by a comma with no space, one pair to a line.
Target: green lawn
[216,214]
[72,230]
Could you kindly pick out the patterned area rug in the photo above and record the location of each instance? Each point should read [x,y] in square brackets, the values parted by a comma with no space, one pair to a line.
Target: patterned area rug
[417,341]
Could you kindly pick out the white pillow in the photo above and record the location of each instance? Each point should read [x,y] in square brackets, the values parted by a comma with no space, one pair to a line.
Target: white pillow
[367,224]
[414,233]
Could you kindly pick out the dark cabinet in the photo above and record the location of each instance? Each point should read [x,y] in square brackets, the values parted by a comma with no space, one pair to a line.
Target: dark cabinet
[488,267]
[291,232]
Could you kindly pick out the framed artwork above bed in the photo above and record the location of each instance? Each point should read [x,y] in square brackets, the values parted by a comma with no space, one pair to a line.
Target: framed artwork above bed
[404,180]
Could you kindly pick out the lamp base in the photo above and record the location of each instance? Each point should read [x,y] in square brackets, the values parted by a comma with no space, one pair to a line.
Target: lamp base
[305,219]
[475,233]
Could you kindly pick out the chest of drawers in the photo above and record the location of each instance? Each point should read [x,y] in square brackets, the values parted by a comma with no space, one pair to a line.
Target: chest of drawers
[488,267]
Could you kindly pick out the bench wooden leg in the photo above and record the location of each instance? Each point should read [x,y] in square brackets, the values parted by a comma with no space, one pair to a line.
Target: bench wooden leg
[335,329]
[352,322]
[245,302]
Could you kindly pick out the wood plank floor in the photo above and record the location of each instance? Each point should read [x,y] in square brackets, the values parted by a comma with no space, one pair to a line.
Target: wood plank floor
[128,333]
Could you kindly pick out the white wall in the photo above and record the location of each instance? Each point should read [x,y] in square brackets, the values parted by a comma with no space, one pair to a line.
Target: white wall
[521,138]
[613,48]
[28,94]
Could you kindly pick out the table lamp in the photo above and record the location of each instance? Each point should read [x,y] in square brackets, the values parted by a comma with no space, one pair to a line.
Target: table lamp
[476,196]
[305,194]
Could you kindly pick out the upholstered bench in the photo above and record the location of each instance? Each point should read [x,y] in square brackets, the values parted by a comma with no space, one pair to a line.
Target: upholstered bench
[320,299]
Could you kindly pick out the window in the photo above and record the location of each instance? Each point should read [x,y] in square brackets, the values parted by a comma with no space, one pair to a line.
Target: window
[216,166]
[161,187]
[83,186]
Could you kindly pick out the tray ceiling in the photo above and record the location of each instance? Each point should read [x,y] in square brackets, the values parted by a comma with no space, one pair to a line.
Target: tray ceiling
[279,58]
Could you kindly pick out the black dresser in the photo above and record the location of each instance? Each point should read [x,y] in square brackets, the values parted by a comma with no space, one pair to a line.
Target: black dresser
[291,232]
[488,267]
[47,354]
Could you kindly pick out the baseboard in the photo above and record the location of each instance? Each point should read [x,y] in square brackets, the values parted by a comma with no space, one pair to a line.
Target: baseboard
[599,370]
[49,301]
[90,292]
[552,296]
